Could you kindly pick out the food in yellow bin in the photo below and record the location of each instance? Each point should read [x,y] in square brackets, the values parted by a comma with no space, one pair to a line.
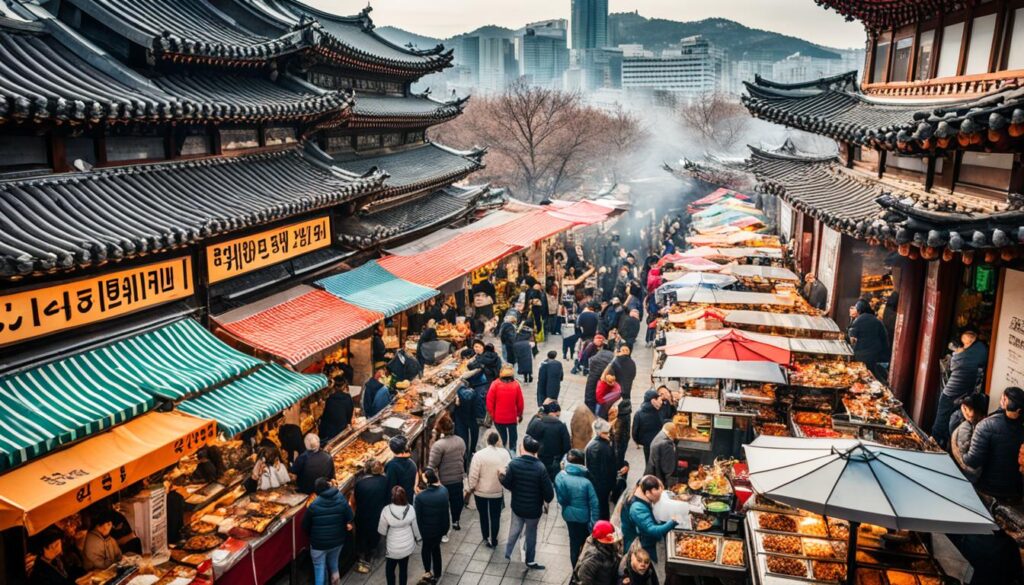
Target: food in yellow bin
[732,553]
[812,526]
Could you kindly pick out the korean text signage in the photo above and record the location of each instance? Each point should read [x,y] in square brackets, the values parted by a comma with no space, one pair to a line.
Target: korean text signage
[1008,346]
[42,311]
[235,257]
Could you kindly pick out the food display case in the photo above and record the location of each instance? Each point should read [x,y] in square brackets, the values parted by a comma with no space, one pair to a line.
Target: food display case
[706,550]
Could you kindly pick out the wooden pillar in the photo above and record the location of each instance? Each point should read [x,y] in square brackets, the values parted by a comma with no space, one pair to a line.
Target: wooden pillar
[905,338]
[881,163]
[929,178]
[938,300]
[57,153]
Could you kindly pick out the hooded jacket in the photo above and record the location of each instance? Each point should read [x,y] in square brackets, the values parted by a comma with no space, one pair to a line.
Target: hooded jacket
[647,424]
[624,369]
[401,533]
[598,563]
[370,496]
[505,402]
[576,495]
[596,366]
[601,464]
[326,520]
[629,327]
[549,380]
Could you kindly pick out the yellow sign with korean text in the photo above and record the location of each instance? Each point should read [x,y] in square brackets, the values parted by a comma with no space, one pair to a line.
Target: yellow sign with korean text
[235,257]
[42,311]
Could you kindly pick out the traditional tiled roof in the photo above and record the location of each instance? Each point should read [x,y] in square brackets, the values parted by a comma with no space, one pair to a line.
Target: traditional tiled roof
[861,206]
[888,14]
[352,41]
[42,78]
[384,111]
[428,166]
[408,219]
[194,31]
[834,107]
[76,220]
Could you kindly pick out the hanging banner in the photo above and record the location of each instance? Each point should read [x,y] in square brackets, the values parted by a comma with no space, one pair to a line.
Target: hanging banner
[42,311]
[1008,345]
[235,257]
[828,261]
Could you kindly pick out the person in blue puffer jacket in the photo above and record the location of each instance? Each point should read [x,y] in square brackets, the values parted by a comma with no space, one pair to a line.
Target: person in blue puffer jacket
[327,522]
[637,517]
[467,404]
[576,496]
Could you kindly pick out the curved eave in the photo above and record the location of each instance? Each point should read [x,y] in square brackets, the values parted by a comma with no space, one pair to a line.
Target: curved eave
[887,14]
[336,52]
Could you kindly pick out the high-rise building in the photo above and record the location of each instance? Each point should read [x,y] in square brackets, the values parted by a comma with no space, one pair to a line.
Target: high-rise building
[542,52]
[694,68]
[468,59]
[589,24]
[497,64]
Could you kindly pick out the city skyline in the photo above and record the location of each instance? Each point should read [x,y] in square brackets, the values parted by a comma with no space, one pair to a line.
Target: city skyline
[445,18]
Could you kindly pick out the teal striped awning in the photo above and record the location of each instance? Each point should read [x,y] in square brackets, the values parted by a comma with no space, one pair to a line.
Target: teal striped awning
[372,287]
[253,399]
[66,400]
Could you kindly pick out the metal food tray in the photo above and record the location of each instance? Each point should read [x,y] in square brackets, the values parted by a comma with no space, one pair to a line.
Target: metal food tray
[758,539]
[808,577]
[756,525]
[717,563]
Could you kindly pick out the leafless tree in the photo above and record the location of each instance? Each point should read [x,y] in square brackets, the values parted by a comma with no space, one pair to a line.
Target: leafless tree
[717,119]
[623,136]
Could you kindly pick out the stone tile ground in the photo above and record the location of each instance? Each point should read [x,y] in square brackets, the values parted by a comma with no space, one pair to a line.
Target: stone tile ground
[466,560]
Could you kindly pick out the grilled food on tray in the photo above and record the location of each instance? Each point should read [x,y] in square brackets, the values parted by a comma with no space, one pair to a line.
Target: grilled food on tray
[778,522]
[200,527]
[773,429]
[819,419]
[828,571]
[819,549]
[732,553]
[254,523]
[812,527]
[789,545]
[202,543]
[701,548]
[786,566]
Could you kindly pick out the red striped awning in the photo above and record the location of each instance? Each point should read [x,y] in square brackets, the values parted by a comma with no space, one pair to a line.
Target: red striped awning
[530,228]
[303,326]
[581,212]
[453,259]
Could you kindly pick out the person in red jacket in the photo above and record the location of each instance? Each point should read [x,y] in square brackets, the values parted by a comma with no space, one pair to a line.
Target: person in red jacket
[505,405]
[608,392]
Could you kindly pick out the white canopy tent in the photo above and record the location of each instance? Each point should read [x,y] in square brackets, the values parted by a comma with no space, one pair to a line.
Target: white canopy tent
[712,369]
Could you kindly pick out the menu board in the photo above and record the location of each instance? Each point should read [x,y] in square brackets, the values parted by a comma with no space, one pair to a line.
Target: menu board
[828,261]
[232,258]
[42,311]
[1008,345]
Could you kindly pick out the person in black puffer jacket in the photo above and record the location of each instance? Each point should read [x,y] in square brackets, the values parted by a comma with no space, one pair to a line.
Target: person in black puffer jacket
[312,464]
[524,347]
[432,513]
[527,480]
[370,497]
[624,369]
[327,522]
[599,561]
[600,457]
[995,446]
[647,422]
[553,436]
[487,361]
[338,410]
[966,366]
[401,470]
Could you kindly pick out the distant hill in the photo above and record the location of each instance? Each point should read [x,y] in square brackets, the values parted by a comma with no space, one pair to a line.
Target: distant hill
[741,42]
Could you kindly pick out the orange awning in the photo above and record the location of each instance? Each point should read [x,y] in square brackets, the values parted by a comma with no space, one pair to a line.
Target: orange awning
[48,489]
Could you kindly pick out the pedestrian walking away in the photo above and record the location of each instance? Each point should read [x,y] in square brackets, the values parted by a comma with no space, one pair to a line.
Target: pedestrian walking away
[401,535]
[447,457]
[486,487]
[553,436]
[531,489]
[505,405]
[370,496]
[578,500]
[432,517]
[647,422]
[327,522]
[600,459]
[401,470]
[549,379]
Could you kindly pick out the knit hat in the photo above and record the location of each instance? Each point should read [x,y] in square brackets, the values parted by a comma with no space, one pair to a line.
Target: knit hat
[604,532]
[650,395]
[601,426]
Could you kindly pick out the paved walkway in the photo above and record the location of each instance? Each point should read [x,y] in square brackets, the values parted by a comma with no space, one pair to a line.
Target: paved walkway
[467,561]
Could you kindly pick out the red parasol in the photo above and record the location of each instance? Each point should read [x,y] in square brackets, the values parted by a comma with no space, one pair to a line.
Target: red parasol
[730,345]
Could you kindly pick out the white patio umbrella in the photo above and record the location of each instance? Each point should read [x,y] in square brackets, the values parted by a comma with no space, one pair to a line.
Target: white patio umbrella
[861,481]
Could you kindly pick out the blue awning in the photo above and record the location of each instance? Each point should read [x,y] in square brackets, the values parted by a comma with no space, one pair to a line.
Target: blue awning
[372,287]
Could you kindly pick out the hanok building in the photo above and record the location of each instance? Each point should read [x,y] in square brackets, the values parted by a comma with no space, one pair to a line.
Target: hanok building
[921,208]
[163,161]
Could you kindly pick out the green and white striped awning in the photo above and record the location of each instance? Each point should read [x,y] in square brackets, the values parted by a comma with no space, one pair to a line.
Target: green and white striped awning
[253,399]
[66,400]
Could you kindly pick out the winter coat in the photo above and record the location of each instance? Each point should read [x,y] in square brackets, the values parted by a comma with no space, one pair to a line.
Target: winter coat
[586,324]
[628,576]
[601,461]
[505,402]
[597,366]
[994,448]
[653,280]
[664,460]
[489,362]
[582,431]
[523,350]
[404,367]
[607,394]
[469,407]
[448,457]
[611,317]
[45,573]
[647,424]
[99,552]
[381,401]
[326,520]
[965,368]
[598,563]
[311,466]
[484,469]
[370,389]
[527,480]
[629,328]
[816,295]
[401,471]
[960,443]
[637,521]
[553,436]
[872,341]
[576,495]
[432,511]
[338,410]
[507,335]
[549,380]
[400,531]
[370,496]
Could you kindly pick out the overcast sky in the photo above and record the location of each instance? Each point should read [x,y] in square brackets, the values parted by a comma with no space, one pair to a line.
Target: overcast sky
[444,18]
